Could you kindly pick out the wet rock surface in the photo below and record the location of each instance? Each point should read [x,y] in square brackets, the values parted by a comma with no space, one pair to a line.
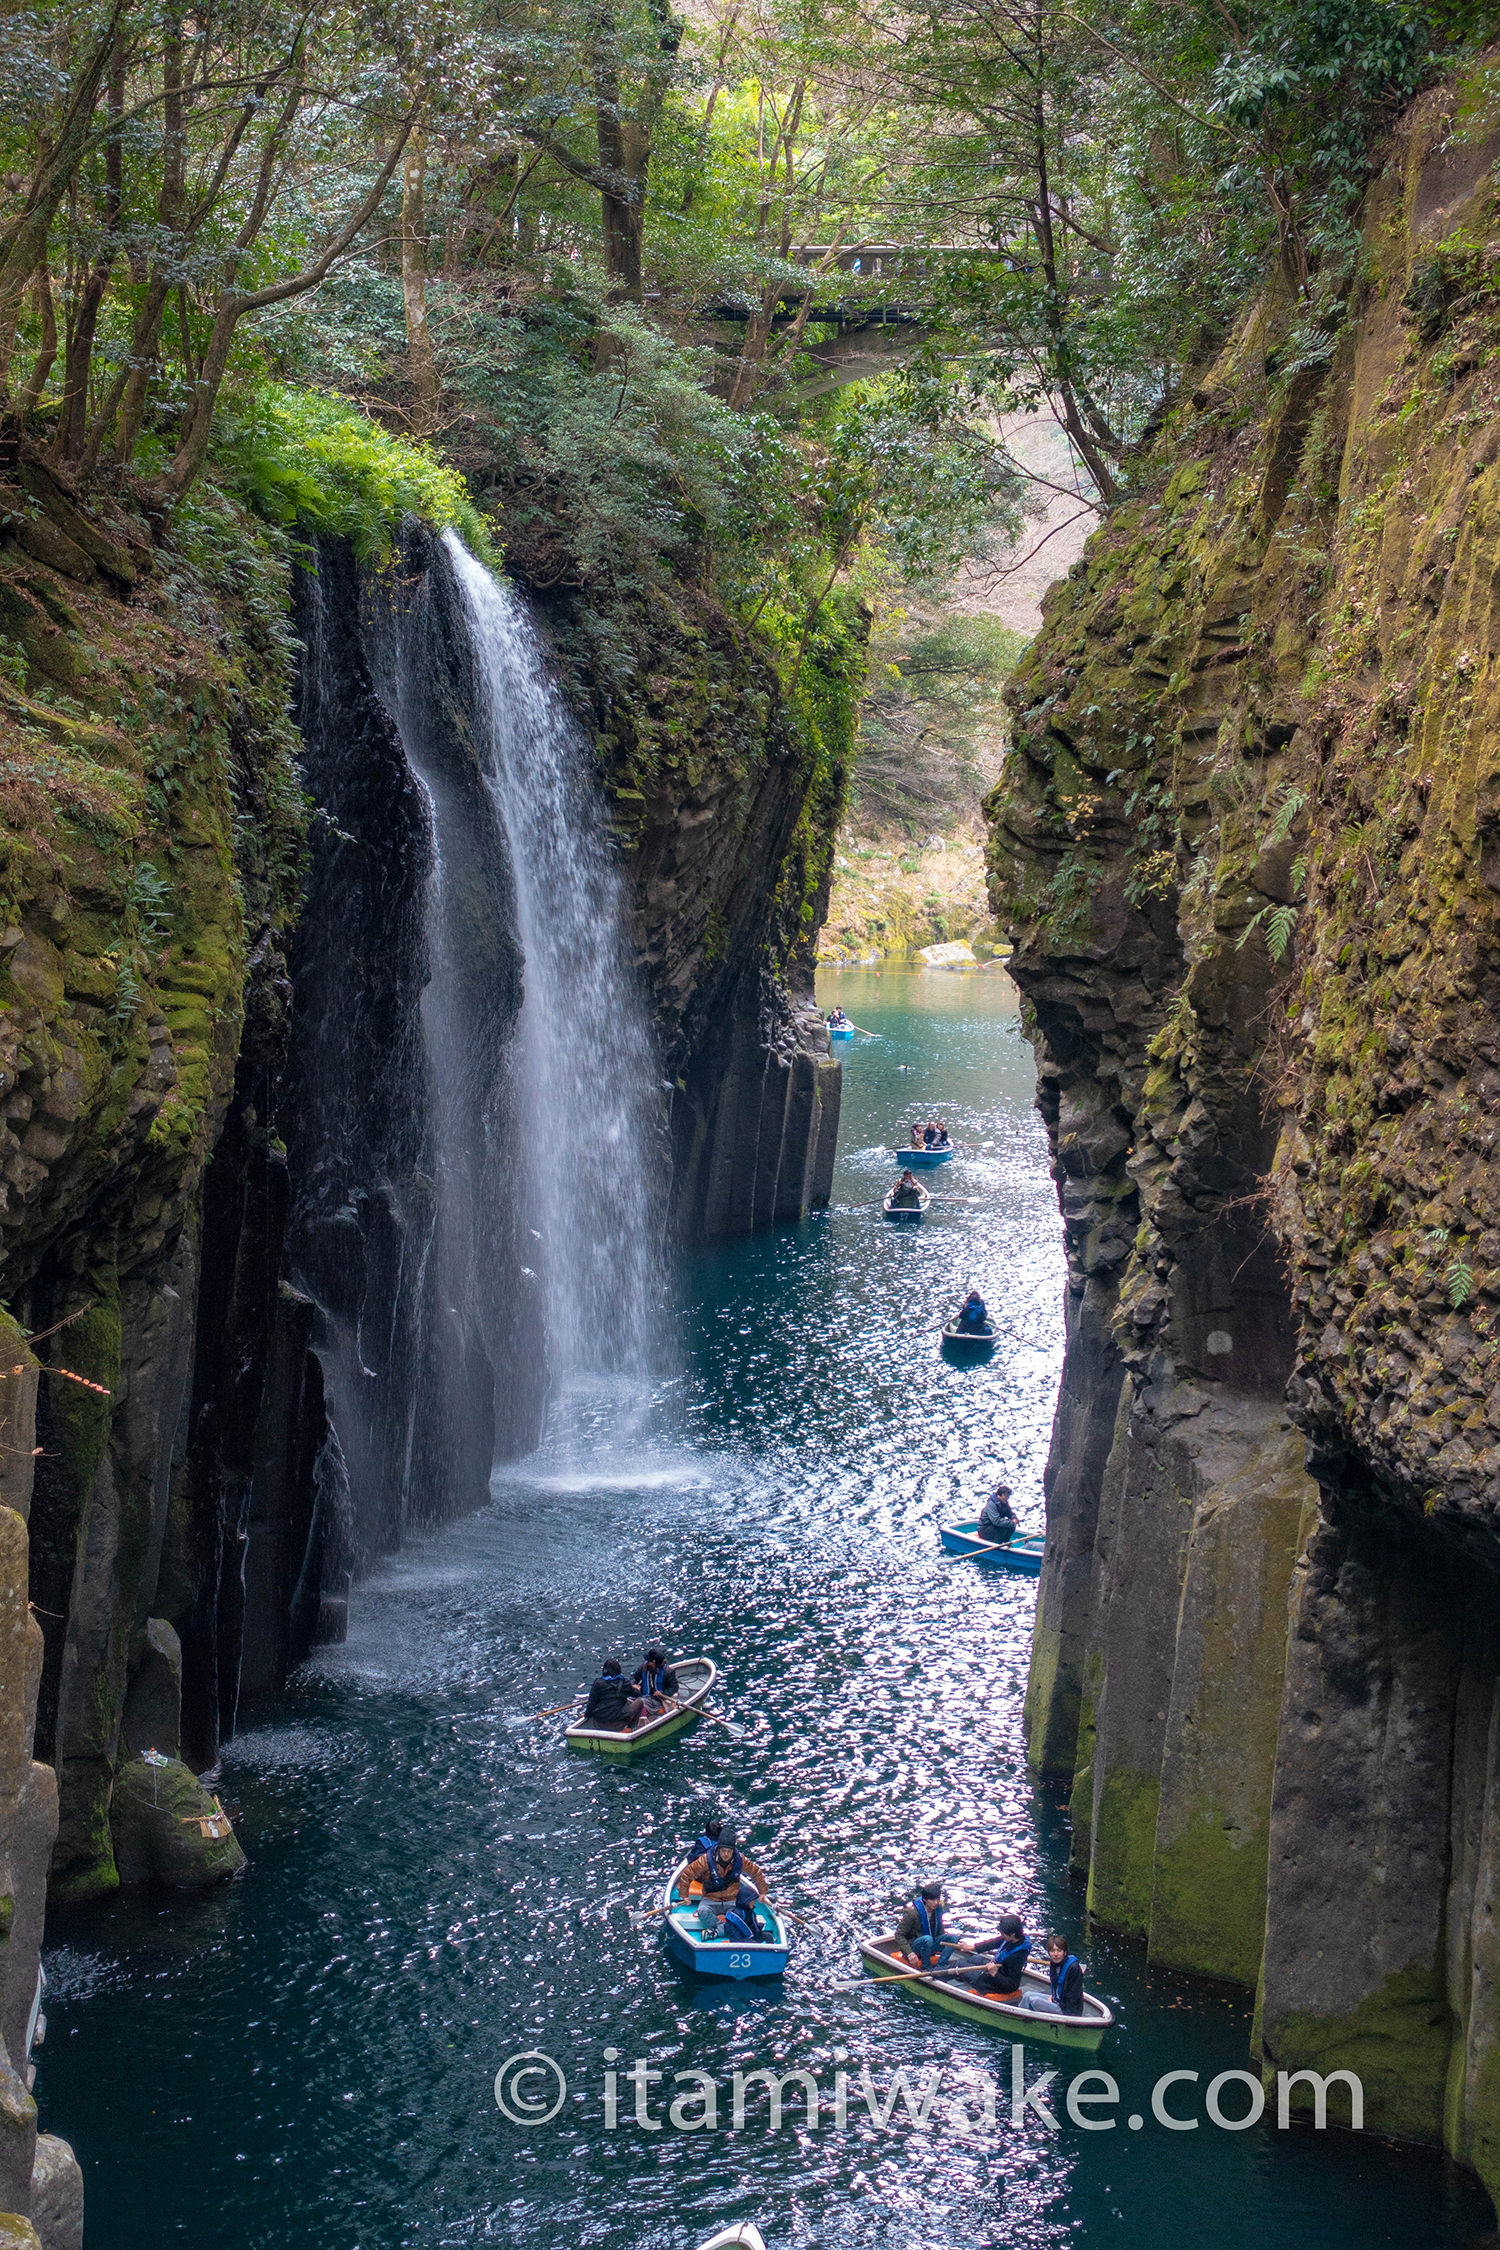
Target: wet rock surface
[1243,844]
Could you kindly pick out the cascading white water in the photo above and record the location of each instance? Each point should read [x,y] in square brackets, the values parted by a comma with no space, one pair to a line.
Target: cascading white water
[590,1174]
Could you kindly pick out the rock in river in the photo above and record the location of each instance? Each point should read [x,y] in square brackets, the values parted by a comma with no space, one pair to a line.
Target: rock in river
[168,1829]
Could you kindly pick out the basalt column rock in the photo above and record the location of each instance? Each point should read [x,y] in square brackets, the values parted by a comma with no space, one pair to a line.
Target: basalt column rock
[1247,844]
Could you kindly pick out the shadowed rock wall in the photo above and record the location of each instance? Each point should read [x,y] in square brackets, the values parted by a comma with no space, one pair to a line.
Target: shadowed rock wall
[726,800]
[1246,843]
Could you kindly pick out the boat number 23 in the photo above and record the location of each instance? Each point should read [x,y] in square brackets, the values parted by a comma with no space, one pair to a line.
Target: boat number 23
[739,1960]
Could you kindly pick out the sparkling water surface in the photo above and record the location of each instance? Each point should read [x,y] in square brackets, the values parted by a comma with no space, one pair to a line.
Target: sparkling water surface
[307,2060]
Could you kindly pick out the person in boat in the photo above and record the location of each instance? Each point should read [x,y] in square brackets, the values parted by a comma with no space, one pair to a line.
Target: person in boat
[708,1839]
[1065,1976]
[997,1522]
[719,1873]
[942,1134]
[929,1135]
[655,1682]
[737,1924]
[973,1316]
[611,1704]
[837,1020]
[919,1933]
[906,1195]
[1011,1948]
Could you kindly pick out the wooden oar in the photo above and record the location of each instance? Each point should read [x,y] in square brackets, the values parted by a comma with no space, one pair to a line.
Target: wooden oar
[720,1721]
[552,1714]
[905,1976]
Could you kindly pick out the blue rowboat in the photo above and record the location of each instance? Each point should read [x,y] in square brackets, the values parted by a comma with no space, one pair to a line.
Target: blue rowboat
[717,1957]
[841,1031]
[1023,1553]
[924,1158]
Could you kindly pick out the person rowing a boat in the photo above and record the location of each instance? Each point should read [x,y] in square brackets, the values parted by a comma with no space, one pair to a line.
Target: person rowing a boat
[919,1933]
[720,1872]
[973,1316]
[611,1704]
[837,1020]
[906,1195]
[655,1682]
[1001,1979]
[998,1523]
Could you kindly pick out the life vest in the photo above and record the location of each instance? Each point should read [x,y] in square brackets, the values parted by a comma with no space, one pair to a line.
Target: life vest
[738,1925]
[718,1878]
[1010,1960]
[1057,1971]
[707,1845]
[932,1924]
[652,1678]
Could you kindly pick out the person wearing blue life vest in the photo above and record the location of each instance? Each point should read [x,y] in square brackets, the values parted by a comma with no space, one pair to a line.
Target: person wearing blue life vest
[1001,1979]
[1065,1975]
[655,1682]
[919,1933]
[973,1316]
[708,1840]
[611,1704]
[718,1874]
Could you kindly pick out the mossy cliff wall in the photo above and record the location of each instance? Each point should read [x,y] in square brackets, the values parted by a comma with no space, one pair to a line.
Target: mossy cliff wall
[726,797]
[1248,843]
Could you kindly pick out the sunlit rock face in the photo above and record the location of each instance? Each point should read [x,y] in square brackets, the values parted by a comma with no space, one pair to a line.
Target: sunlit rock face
[1247,846]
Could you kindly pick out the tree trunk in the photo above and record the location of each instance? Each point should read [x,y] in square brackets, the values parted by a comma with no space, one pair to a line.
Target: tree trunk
[73,421]
[41,366]
[421,366]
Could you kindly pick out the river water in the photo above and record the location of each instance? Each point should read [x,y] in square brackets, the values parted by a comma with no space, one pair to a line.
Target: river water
[307,2061]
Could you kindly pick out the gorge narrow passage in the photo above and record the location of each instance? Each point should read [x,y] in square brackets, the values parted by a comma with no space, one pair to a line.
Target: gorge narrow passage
[435,1885]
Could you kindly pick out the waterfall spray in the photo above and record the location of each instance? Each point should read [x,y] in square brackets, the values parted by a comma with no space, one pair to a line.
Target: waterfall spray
[588,1084]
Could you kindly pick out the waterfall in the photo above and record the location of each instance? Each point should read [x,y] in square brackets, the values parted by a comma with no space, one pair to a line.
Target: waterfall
[473,1118]
[590,1168]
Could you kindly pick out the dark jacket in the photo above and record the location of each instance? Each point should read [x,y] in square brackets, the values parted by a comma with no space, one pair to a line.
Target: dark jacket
[997,1522]
[609,1700]
[1011,1956]
[1067,1985]
[909,1928]
[668,1681]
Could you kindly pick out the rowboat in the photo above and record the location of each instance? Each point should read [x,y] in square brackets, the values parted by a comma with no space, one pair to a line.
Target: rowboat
[924,1158]
[965,1344]
[695,1678]
[1023,1553]
[742,2237]
[895,1210]
[960,1999]
[717,1957]
[841,1031]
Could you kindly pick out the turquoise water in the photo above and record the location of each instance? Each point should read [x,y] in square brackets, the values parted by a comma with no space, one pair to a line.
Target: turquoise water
[307,2061]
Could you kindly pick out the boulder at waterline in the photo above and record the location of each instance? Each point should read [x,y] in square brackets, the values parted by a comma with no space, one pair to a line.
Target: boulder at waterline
[57,2195]
[17,2234]
[167,1829]
[153,1700]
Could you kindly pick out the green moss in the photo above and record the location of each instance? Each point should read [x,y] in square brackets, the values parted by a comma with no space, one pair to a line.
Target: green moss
[1122,1862]
[1396,2042]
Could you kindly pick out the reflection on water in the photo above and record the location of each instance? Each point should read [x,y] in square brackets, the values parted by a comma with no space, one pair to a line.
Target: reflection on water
[436,1884]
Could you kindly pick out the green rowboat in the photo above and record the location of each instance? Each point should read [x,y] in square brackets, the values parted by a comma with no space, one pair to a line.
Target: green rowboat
[695,1678]
[960,1999]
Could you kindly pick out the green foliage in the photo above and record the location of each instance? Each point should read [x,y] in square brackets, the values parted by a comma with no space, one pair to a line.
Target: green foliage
[310,460]
[935,705]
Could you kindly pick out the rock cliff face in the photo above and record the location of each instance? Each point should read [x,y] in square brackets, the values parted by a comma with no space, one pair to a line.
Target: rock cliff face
[726,802]
[1249,846]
